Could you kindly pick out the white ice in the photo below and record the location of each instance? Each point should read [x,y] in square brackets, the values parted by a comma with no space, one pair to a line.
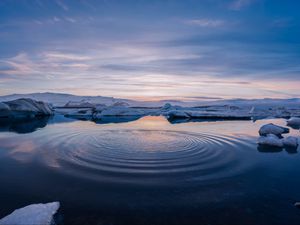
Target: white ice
[37,214]
[270,140]
[272,129]
[290,142]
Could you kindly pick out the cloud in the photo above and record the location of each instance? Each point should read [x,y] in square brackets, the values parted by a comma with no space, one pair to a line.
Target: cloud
[240,4]
[62,5]
[71,20]
[206,22]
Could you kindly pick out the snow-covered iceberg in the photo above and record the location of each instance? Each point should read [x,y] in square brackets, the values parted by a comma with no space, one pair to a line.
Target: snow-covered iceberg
[24,108]
[35,214]
[273,129]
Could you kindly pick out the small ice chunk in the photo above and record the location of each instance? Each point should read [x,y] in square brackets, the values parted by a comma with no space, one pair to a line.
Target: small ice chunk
[272,129]
[294,121]
[32,214]
[120,111]
[167,106]
[177,114]
[290,142]
[270,140]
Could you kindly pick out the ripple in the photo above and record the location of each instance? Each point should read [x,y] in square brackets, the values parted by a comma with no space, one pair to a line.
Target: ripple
[147,156]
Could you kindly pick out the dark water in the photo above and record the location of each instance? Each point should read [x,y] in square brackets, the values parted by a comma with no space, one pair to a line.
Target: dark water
[149,171]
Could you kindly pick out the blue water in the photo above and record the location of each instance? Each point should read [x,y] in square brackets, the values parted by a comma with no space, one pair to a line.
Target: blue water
[149,171]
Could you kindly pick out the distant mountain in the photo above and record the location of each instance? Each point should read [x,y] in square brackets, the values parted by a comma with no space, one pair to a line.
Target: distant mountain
[60,99]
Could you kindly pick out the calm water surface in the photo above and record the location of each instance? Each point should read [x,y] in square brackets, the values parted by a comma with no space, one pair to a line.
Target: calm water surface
[149,171]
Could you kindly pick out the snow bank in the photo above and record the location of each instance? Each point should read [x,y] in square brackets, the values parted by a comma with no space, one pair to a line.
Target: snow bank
[270,140]
[272,129]
[41,214]
[24,108]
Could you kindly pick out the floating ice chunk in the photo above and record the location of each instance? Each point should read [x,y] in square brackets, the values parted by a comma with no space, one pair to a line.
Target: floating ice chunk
[177,114]
[32,214]
[119,111]
[80,113]
[272,129]
[290,142]
[119,103]
[166,106]
[270,140]
[294,122]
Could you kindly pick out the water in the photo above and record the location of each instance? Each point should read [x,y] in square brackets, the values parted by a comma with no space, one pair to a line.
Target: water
[149,171]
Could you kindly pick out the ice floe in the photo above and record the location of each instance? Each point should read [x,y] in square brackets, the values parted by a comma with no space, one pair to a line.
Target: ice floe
[37,214]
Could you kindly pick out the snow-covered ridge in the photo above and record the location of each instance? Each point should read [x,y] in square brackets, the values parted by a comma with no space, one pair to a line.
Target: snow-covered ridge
[60,99]
[97,107]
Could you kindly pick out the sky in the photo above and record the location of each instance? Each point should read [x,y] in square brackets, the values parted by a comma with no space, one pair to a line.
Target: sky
[158,49]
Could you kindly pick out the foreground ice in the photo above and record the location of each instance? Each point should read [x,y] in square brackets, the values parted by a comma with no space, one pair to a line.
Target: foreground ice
[24,108]
[270,140]
[35,214]
[272,129]
[275,141]
[290,142]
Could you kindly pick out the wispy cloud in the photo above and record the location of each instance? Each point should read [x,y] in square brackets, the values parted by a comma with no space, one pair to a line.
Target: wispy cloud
[62,5]
[71,20]
[240,4]
[206,22]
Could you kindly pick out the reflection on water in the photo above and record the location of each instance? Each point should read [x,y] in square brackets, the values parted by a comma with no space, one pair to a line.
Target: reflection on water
[117,119]
[149,171]
[270,149]
[23,126]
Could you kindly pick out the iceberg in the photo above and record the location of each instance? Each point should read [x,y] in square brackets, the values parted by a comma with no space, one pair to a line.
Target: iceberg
[273,129]
[32,214]
[24,108]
